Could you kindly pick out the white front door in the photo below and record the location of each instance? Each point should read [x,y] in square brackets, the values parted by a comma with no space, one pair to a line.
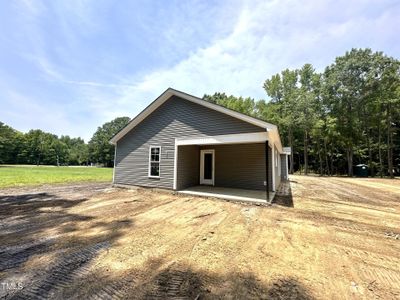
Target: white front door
[207,164]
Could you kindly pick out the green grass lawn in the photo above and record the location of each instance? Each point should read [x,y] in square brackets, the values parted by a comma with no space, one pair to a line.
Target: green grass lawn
[15,176]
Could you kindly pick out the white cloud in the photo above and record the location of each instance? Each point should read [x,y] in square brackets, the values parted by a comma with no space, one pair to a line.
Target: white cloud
[260,39]
[268,37]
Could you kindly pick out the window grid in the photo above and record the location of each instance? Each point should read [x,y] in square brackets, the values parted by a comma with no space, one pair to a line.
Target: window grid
[154,161]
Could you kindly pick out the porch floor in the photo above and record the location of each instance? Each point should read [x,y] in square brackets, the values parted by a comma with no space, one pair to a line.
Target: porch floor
[254,196]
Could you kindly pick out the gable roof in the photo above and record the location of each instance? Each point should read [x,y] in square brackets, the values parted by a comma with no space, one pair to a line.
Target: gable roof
[172,92]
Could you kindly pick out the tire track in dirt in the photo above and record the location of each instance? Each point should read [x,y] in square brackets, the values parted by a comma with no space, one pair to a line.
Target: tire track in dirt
[353,190]
[367,256]
[72,266]
[341,188]
[13,257]
[176,283]
[109,292]
[101,288]
[316,246]
[372,267]
[387,278]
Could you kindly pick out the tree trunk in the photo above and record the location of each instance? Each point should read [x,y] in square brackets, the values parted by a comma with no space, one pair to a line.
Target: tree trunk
[321,168]
[389,142]
[326,158]
[380,151]
[350,161]
[291,170]
[300,166]
[371,168]
[305,153]
[368,133]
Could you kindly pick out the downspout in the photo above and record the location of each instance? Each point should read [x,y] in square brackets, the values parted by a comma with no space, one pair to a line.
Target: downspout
[266,171]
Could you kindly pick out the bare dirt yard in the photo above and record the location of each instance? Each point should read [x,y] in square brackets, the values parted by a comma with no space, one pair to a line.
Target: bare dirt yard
[335,238]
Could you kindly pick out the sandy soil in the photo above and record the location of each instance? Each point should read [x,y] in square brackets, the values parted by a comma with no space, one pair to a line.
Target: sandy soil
[335,238]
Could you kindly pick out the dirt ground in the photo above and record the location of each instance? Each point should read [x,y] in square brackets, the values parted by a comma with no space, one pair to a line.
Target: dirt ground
[332,238]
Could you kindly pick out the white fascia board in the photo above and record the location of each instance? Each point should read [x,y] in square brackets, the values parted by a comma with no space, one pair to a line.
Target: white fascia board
[240,138]
[171,92]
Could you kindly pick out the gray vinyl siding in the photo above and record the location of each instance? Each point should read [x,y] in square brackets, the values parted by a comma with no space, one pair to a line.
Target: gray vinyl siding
[236,166]
[188,166]
[239,165]
[176,118]
[284,174]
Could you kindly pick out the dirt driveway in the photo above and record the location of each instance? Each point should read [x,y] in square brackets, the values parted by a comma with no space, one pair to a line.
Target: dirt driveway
[335,238]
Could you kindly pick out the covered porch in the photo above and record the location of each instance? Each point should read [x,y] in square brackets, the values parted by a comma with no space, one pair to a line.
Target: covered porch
[233,167]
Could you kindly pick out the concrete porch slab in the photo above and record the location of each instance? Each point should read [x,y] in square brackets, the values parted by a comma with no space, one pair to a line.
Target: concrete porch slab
[253,196]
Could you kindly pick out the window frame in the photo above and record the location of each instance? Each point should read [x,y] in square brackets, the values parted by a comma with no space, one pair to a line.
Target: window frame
[150,161]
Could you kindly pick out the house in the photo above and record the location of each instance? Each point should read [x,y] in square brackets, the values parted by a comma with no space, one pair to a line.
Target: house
[183,143]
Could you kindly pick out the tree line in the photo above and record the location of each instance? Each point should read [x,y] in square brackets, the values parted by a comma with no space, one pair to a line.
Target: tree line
[348,114]
[37,147]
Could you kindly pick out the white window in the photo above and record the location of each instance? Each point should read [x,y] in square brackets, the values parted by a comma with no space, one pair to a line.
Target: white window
[154,161]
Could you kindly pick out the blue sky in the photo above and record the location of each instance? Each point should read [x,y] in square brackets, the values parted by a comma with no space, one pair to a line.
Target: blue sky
[69,66]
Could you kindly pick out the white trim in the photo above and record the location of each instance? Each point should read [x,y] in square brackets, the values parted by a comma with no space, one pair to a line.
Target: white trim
[273,167]
[171,92]
[254,137]
[287,167]
[159,162]
[115,159]
[175,165]
[202,180]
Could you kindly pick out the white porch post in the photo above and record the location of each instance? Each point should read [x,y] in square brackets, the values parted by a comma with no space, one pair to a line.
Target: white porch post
[273,167]
[175,165]
[266,170]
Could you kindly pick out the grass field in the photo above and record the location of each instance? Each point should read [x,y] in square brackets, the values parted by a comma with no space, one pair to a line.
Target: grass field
[15,176]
